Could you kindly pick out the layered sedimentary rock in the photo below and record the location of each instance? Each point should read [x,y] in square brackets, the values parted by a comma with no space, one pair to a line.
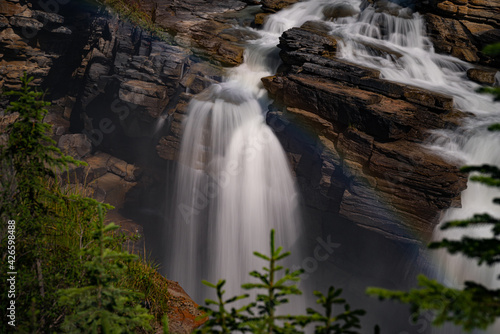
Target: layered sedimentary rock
[200,26]
[463,28]
[112,77]
[355,140]
[111,84]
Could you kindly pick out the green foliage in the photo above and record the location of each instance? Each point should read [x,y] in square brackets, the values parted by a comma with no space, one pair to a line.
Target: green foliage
[55,231]
[344,322]
[31,196]
[260,315]
[492,50]
[474,306]
[102,306]
[221,320]
[495,91]
[143,276]
[277,289]
[164,323]
[134,11]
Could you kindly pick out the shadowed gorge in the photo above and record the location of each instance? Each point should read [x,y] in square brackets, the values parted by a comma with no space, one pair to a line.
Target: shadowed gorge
[340,124]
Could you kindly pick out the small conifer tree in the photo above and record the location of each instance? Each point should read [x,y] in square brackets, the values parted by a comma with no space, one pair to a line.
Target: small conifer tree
[30,196]
[260,316]
[474,306]
[102,306]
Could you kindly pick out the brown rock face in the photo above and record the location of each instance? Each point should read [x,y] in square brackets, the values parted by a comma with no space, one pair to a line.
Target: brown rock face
[363,156]
[112,85]
[450,36]
[482,11]
[199,25]
[462,28]
[212,36]
[484,76]
[184,315]
[275,5]
[153,97]
[111,77]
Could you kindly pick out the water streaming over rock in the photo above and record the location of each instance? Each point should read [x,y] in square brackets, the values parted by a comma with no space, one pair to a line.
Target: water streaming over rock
[393,40]
[234,183]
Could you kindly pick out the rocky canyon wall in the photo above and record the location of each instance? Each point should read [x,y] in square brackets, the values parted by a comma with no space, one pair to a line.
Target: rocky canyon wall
[354,140]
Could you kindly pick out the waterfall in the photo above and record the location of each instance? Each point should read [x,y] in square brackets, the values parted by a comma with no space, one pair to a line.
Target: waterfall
[396,44]
[234,182]
[233,185]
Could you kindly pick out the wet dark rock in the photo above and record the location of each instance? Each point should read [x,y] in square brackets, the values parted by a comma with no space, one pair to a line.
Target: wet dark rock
[76,145]
[25,22]
[463,28]
[489,36]
[483,76]
[338,10]
[367,139]
[275,5]
[47,18]
[307,42]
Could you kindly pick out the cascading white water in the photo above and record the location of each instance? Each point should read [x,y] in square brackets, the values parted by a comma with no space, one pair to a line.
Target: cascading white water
[234,182]
[396,45]
[259,195]
[213,116]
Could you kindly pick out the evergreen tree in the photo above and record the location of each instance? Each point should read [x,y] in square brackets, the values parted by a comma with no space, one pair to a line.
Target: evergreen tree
[474,306]
[260,316]
[345,322]
[30,196]
[102,306]
[53,240]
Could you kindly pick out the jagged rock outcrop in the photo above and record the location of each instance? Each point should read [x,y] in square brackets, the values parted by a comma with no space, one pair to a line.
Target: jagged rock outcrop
[112,83]
[275,5]
[201,26]
[183,313]
[118,80]
[355,140]
[463,27]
